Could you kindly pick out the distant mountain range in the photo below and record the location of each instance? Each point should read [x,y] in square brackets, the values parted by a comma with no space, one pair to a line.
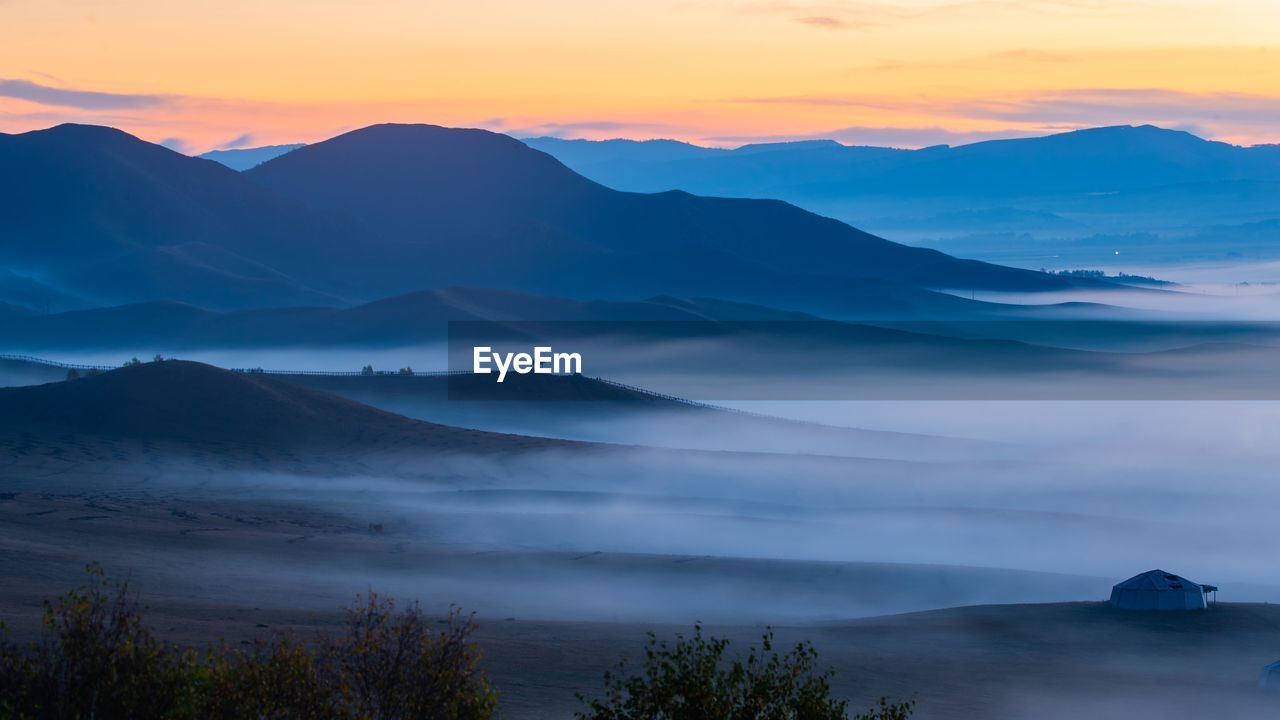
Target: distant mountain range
[402,320]
[423,317]
[1024,201]
[92,216]
[246,158]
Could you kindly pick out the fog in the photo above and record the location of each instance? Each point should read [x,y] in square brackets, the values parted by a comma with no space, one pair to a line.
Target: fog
[1072,498]
[896,499]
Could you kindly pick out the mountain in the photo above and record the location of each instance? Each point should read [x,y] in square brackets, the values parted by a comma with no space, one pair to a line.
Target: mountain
[106,218]
[402,320]
[986,199]
[97,213]
[1105,159]
[477,208]
[245,158]
[762,170]
[193,403]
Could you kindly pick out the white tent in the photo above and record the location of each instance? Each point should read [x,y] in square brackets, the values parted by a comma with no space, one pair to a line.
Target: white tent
[1158,590]
[1270,678]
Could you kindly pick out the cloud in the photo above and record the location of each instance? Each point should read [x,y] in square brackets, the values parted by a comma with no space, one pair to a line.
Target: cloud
[1103,106]
[177,144]
[245,140]
[843,14]
[80,99]
[571,129]
[826,22]
[1211,115]
[903,137]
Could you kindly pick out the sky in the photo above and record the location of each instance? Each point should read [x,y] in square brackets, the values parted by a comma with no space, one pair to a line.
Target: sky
[200,75]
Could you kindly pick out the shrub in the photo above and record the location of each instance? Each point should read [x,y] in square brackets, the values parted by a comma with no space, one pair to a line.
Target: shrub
[390,664]
[693,680]
[73,374]
[98,661]
[276,679]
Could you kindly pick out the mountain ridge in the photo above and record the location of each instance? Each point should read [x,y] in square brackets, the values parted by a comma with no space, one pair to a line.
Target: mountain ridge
[103,217]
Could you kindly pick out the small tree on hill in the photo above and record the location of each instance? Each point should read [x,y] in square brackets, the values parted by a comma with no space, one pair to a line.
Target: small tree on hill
[366,370]
[73,374]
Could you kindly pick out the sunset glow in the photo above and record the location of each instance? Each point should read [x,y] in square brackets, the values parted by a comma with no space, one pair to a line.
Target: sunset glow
[202,74]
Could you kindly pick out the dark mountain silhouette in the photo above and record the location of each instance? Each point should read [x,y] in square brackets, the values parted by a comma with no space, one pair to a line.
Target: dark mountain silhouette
[106,218]
[118,219]
[474,207]
[187,402]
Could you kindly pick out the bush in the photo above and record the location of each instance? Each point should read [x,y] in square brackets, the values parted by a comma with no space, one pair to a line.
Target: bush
[692,680]
[97,660]
[276,679]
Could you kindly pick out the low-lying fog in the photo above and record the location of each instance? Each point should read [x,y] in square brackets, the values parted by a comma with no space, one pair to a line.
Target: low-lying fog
[1068,499]
[969,501]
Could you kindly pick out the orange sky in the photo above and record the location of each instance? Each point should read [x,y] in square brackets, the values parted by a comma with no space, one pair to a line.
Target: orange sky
[203,74]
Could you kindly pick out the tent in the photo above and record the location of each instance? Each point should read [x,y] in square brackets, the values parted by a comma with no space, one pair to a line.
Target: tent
[1270,678]
[1158,590]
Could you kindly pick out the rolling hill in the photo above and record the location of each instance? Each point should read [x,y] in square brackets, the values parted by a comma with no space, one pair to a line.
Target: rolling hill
[200,405]
[402,320]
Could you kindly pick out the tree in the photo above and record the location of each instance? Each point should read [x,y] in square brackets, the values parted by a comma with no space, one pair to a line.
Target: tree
[133,362]
[73,374]
[406,370]
[366,370]
[693,680]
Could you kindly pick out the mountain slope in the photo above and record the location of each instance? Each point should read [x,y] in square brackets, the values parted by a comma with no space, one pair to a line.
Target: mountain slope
[103,217]
[1075,199]
[98,209]
[487,210]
